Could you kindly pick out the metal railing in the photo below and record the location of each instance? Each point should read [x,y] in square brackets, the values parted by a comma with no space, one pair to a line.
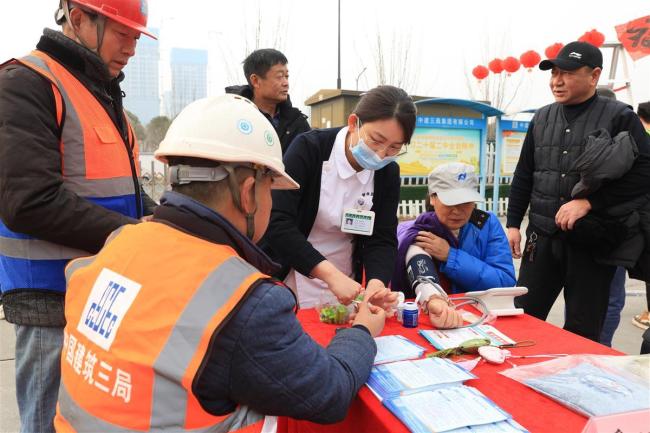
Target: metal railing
[154,179]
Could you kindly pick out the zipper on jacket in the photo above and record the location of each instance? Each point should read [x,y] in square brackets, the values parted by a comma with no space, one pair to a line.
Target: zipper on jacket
[129,150]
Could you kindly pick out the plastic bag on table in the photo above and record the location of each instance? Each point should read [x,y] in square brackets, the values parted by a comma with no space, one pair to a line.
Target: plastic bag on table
[592,385]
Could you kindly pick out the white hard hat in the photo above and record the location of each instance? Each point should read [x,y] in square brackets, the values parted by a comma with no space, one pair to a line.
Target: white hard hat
[230,129]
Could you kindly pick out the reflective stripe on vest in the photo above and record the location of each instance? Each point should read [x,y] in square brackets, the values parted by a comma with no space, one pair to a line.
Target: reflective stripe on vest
[183,294]
[95,165]
[37,249]
[94,158]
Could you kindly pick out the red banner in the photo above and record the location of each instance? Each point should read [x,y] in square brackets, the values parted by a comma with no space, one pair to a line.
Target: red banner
[635,37]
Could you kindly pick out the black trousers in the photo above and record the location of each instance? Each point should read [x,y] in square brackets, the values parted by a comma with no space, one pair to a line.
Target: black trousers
[645,345]
[553,264]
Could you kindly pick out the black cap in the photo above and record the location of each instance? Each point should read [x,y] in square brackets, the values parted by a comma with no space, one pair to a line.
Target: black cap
[575,55]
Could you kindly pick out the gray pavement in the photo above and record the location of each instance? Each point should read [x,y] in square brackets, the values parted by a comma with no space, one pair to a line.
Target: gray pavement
[627,339]
[8,409]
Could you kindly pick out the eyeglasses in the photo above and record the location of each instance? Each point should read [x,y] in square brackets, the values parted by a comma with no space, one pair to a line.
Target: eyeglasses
[392,150]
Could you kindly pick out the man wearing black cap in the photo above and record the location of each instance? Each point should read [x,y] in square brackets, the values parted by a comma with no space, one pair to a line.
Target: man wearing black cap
[544,178]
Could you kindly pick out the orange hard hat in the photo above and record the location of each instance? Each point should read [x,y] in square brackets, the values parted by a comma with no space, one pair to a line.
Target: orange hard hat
[131,13]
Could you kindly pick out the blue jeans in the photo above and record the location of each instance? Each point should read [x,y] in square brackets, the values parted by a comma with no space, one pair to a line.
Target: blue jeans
[38,373]
[614,308]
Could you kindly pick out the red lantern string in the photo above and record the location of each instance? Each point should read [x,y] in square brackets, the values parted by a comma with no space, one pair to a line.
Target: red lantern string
[552,50]
[511,65]
[530,59]
[480,72]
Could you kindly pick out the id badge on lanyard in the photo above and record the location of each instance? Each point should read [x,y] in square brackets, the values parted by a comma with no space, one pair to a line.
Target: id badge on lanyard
[358,222]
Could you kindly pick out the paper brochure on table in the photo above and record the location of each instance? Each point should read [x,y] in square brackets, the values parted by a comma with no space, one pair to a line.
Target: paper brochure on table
[407,377]
[448,338]
[507,426]
[391,348]
[446,409]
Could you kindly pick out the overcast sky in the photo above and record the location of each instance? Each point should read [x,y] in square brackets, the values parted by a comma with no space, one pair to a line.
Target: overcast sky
[444,39]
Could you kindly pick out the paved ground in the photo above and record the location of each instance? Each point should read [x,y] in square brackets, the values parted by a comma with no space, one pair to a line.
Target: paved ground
[627,339]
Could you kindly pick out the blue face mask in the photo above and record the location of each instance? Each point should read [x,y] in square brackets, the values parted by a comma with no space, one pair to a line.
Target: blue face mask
[366,157]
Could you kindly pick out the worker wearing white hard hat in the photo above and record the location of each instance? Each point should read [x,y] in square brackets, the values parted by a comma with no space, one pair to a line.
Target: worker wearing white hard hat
[204,335]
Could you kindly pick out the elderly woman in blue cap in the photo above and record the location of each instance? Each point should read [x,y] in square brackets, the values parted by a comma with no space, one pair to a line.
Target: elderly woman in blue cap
[455,248]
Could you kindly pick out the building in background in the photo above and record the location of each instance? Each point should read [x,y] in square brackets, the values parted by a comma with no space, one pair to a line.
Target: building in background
[141,83]
[189,79]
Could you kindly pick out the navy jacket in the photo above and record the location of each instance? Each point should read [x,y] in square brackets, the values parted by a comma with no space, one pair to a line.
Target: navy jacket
[262,357]
[482,259]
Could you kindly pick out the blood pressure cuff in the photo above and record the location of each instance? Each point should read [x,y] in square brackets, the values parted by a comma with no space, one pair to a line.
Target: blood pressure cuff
[421,265]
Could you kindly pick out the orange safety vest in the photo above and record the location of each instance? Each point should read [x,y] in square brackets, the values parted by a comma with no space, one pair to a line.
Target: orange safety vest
[140,316]
[95,164]
[94,156]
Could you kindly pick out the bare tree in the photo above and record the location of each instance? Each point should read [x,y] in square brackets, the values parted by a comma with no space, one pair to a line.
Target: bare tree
[256,34]
[394,61]
[500,90]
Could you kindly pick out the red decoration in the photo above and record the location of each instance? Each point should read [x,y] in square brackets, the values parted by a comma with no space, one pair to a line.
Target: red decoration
[510,64]
[552,50]
[496,66]
[480,72]
[530,59]
[594,37]
[635,37]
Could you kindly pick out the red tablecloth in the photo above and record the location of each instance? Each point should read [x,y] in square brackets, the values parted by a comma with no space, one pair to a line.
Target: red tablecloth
[530,409]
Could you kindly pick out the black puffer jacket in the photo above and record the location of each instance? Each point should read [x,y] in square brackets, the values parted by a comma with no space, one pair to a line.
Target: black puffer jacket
[614,233]
[292,120]
[604,158]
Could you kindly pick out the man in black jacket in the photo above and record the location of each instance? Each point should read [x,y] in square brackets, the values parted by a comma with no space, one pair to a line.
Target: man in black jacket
[68,178]
[268,87]
[544,178]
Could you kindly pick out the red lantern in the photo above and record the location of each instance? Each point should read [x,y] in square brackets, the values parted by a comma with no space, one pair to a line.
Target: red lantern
[597,38]
[510,64]
[552,50]
[530,59]
[480,72]
[496,66]
[594,37]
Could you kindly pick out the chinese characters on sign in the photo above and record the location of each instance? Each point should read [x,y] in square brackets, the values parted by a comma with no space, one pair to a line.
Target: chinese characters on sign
[438,143]
[635,37]
[448,122]
[513,133]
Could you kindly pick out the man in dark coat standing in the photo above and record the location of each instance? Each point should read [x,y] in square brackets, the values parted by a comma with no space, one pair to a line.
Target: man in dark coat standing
[268,87]
[544,178]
